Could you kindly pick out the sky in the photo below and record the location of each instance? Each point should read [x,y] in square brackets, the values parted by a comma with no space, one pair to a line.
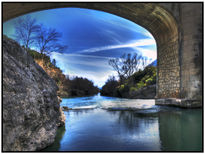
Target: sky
[93,37]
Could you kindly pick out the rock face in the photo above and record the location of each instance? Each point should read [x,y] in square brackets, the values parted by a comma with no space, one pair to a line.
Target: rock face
[62,115]
[31,110]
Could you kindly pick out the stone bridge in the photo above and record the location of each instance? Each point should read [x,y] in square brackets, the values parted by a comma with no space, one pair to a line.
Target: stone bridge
[177,29]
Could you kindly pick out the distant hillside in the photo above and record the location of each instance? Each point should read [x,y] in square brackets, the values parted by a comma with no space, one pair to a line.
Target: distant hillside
[77,87]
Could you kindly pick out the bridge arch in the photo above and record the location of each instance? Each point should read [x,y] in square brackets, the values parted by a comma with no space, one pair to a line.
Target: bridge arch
[178,76]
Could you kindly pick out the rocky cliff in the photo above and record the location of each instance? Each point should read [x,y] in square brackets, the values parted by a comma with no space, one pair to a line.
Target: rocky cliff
[31,110]
[55,73]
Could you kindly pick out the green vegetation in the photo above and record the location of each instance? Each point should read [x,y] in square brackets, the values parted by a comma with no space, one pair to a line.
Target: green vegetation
[137,81]
[76,87]
[109,89]
[133,82]
[82,87]
[143,78]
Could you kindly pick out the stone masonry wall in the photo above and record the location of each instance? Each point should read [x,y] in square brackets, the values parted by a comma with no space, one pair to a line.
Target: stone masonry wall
[168,71]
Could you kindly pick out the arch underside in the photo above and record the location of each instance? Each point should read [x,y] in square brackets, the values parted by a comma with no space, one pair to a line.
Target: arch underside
[159,22]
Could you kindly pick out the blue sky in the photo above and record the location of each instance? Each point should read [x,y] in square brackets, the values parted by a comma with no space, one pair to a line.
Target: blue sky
[92,37]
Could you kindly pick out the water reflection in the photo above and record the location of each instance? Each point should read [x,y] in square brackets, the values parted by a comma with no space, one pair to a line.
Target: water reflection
[150,128]
[56,145]
[181,130]
[132,120]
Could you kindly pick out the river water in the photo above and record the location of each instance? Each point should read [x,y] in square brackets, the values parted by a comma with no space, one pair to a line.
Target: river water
[101,123]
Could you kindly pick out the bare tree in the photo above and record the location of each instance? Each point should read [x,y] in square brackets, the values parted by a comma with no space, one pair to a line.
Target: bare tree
[127,64]
[26,28]
[47,40]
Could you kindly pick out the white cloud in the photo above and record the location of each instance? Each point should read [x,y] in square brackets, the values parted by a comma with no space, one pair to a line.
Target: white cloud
[151,54]
[115,36]
[142,42]
[124,24]
[80,55]
[98,78]
[81,59]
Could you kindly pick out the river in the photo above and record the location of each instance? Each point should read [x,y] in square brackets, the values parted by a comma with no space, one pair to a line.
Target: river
[101,123]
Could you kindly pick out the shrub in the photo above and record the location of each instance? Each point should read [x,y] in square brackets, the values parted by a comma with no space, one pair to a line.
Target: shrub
[133,89]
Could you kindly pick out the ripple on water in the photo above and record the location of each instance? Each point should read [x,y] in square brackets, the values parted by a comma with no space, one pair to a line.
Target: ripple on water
[113,124]
[108,103]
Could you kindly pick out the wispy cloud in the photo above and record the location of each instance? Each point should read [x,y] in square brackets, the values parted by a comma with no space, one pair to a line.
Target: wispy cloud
[79,59]
[80,55]
[124,24]
[141,42]
[112,35]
